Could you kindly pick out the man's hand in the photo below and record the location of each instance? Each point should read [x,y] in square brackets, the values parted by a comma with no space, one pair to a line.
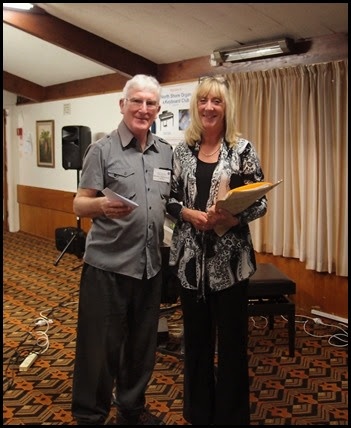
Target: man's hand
[87,204]
[114,209]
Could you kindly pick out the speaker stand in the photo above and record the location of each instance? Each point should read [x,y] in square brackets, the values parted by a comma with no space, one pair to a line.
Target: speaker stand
[73,237]
[69,243]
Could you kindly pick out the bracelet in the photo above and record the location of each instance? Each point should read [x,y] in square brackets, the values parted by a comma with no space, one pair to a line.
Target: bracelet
[180,216]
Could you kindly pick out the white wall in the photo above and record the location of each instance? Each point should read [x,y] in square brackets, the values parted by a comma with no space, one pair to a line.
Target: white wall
[8,99]
[100,113]
[9,102]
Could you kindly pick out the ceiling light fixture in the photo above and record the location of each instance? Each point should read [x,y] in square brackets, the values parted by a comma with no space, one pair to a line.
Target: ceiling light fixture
[247,52]
[19,6]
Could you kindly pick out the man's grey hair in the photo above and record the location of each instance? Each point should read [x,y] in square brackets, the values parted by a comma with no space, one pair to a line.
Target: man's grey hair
[142,82]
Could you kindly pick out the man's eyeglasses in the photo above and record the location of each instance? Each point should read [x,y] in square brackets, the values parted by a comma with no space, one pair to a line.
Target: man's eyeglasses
[138,103]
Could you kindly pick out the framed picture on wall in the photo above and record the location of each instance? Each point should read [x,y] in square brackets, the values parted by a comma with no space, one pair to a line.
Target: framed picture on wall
[46,143]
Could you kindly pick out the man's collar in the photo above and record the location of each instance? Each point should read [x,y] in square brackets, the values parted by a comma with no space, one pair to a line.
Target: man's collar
[124,133]
[127,137]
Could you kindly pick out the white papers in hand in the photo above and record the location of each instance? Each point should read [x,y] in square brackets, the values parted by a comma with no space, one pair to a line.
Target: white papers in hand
[116,197]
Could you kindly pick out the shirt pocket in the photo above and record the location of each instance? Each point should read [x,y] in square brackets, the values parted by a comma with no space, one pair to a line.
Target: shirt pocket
[122,181]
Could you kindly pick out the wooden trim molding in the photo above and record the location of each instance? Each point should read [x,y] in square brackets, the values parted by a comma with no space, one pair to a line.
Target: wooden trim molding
[56,200]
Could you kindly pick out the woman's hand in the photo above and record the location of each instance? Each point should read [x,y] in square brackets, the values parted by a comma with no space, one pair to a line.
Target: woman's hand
[221,217]
[206,221]
[198,219]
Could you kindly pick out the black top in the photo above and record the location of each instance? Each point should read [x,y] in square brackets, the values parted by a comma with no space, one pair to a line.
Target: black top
[204,172]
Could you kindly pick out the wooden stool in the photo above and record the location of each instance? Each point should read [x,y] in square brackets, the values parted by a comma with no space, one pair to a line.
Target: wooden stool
[268,293]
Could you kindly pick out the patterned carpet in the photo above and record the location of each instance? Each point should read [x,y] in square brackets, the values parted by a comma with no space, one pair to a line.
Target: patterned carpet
[309,389]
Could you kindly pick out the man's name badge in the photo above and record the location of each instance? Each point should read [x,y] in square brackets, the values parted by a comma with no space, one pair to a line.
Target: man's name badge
[163,175]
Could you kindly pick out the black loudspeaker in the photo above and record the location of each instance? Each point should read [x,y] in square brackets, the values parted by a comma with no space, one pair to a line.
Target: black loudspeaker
[75,140]
[64,235]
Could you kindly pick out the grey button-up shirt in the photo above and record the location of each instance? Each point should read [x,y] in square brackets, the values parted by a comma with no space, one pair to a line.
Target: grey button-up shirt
[131,245]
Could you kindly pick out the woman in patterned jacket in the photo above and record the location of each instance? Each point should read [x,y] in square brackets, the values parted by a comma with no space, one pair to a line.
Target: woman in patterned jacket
[213,270]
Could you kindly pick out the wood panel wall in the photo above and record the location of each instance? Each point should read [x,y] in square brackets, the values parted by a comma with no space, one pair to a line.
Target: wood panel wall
[314,290]
[42,211]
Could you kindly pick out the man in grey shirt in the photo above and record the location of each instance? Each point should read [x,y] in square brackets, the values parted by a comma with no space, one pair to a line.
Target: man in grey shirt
[120,287]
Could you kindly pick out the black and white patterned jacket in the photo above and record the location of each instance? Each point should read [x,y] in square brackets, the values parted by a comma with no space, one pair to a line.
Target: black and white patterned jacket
[204,257]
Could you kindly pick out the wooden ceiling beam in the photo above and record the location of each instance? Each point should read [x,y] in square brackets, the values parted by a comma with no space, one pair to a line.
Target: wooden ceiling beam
[23,88]
[80,42]
[31,92]
[86,87]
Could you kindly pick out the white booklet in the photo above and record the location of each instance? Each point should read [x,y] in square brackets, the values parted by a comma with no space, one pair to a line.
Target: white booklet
[116,197]
[240,198]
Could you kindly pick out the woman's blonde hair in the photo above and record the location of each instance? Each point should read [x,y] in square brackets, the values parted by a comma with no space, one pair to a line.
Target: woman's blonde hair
[217,86]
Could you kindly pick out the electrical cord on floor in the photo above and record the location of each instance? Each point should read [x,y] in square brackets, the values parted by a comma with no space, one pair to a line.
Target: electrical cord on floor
[44,321]
[21,353]
[255,325]
[18,356]
[341,337]
[41,345]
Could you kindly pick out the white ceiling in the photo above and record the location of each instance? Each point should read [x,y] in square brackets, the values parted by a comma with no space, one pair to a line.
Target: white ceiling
[163,32]
[43,63]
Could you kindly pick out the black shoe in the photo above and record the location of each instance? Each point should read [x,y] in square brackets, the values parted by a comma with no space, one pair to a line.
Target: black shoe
[147,418]
[121,420]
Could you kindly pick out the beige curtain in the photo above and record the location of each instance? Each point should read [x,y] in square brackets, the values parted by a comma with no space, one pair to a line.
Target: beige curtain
[297,120]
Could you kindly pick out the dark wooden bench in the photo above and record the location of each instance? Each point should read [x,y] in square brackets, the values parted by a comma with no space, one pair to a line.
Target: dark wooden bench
[269,291]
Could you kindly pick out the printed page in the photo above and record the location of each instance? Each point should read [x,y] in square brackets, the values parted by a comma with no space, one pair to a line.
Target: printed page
[116,197]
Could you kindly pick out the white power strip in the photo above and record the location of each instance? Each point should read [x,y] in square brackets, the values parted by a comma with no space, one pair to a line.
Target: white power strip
[330,316]
[28,361]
